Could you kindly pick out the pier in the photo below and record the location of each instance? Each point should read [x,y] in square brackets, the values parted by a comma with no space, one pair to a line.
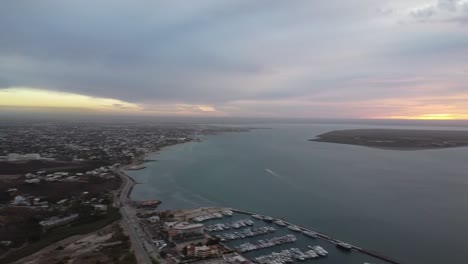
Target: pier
[334,240]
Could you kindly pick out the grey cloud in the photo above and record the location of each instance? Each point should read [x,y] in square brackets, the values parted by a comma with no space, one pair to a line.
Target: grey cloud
[215,52]
[442,11]
[449,5]
[423,13]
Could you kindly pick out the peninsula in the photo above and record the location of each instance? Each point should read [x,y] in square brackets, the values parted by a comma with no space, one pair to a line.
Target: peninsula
[399,139]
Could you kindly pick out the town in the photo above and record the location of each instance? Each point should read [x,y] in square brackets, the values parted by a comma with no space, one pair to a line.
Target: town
[65,197]
[59,180]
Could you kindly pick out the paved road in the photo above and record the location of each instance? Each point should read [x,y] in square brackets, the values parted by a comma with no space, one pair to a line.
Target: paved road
[129,222]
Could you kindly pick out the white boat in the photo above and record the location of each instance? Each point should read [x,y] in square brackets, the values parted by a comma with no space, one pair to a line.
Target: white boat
[267,219]
[217,215]
[344,246]
[312,253]
[294,228]
[256,216]
[227,213]
[319,250]
[310,234]
[280,223]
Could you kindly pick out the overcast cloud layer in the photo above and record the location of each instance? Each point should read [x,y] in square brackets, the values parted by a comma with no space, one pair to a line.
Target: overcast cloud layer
[333,58]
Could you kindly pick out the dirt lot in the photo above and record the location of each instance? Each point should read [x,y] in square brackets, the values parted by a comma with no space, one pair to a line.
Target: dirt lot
[108,245]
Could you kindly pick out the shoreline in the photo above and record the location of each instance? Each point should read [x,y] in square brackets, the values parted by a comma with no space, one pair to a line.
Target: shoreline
[139,161]
[396,139]
[320,235]
[383,148]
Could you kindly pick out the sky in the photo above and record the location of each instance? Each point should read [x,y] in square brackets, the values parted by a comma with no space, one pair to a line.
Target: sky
[402,59]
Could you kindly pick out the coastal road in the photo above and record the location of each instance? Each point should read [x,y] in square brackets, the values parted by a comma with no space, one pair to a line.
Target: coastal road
[129,221]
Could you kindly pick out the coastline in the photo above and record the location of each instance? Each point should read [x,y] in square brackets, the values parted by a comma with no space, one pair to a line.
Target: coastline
[384,148]
[320,235]
[141,160]
[396,139]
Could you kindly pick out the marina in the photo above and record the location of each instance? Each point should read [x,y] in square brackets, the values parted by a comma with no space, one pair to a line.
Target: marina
[226,226]
[245,233]
[292,254]
[275,241]
[292,243]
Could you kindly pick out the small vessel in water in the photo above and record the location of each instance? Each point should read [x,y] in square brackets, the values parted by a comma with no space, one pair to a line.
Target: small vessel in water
[319,250]
[227,213]
[294,228]
[310,234]
[280,223]
[268,219]
[344,246]
[217,215]
[256,216]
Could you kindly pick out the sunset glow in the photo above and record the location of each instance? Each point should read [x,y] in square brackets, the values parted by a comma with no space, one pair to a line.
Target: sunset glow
[430,117]
[27,97]
[399,59]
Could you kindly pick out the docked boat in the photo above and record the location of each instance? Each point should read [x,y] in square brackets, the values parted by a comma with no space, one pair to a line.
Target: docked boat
[280,223]
[249,222]
[217,215]
[267,219]
[294,228]
[310,234]
[319,250]
[312,253]
[344,246]
[227,213]
[256,216]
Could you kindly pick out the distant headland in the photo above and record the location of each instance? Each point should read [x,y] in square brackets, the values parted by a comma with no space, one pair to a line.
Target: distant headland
[399,139]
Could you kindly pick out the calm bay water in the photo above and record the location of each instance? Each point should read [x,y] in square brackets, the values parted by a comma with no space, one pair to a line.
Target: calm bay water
[411,205]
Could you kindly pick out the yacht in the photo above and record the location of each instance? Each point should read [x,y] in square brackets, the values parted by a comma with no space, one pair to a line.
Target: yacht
[310,234]
[227,213]
[294,228]
[267,219]
[280,223]
[319,250]
[312,253]
[344,246]
[217,215]
[256,216]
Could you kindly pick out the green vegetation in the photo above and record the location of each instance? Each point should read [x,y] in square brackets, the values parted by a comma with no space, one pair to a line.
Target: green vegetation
[61,233]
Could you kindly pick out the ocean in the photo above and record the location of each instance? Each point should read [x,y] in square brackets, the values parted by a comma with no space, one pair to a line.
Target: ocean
[410,205]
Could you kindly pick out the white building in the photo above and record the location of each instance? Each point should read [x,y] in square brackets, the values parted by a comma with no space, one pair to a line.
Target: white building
[32,181]
[20,200]
[16,156]
[154,219]
[55,221]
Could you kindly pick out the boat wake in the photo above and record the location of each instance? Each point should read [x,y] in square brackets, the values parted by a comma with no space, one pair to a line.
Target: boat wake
[273,173]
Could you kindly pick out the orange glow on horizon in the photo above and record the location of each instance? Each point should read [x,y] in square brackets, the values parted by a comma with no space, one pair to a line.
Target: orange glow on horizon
[430,117]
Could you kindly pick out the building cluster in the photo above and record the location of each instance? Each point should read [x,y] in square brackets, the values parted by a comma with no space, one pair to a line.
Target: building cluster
[103,172]
[183,238]
[85,141]
[19,157]
[181,231]
[63,205]
[203,251]
[58,156]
